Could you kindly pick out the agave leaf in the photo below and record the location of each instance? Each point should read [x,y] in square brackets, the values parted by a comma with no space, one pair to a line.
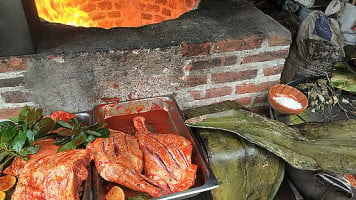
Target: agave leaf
[328,146]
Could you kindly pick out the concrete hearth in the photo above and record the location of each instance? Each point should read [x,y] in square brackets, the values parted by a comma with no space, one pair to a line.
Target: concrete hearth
[224,50]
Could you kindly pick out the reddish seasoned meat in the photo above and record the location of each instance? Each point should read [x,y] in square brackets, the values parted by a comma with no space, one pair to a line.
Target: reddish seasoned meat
[167,158]
[57,176]
[119,159]
[47,147]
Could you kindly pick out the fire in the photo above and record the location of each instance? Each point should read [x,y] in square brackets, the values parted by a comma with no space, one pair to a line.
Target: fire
[64,12]
[112,13]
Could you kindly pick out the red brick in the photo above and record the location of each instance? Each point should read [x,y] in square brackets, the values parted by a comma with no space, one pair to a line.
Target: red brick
[172,4]
[196,49]
[14,96]
[206,64]
[230,60]
[260,99]
[273,70]
[233,76]
[265,56]
[246,101]
[166,12]
[195,81]
[12,64]
[153,8]
[114,14]
[218,92]
[250,42]
[163,2]
[250,88]
[188,3]
[278,41]
[89,7]
[99,16]
[9,112]
[148,7]
[146,16]
[105,5]
[195,95]
[158,18]
[12,82]
[263,110]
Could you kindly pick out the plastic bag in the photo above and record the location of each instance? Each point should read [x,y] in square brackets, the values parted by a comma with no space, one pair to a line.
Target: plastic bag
[319,44]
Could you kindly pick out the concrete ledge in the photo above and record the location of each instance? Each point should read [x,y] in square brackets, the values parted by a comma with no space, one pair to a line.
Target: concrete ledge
[223,20]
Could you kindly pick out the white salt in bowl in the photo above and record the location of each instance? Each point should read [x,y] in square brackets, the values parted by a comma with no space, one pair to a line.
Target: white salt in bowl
[287,99]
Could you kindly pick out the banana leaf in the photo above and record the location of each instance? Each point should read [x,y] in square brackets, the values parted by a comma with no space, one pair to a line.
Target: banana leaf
[329,146]
[244,170]
[343,79]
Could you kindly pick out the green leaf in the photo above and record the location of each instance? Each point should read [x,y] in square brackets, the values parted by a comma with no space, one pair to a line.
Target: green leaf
[19,141]
[45,125]
[6,124]
[3,154]
[66,147]
[6,162]
[77,140]
[62,141]
[105,133]
[65,132]
[90,138]
[97,126]
[14,119]
[23,113]
[30,137]
[80,139]
[64,124]
[37,115]
[30,115]
[8,134]
[30,150]
[94,133]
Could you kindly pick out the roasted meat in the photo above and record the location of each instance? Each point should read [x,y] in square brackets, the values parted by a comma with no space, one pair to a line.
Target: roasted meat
[167,158]
[47,147]
[56,176]
[119,159]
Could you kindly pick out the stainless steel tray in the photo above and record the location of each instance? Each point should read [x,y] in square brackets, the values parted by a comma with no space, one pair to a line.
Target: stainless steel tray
[205,179]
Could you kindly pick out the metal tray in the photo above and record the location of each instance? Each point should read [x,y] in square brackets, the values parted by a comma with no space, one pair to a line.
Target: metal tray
[205,179]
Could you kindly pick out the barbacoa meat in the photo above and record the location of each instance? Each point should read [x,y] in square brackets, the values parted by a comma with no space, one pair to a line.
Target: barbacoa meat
[57,176]
[119,159]
[167,158]
[47,147]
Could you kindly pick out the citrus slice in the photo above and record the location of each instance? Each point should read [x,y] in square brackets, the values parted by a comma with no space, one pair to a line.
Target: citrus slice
[2,195]
[7,182]
[115,193]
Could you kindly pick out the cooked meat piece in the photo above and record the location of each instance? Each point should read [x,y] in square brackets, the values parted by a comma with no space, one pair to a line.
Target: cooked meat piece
[57,176]
[167,158]
[47,147]
[118,159]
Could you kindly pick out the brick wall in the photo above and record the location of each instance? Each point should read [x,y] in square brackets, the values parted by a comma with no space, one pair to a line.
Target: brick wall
[113,13]
[13,95]
[240,69]
[233,69]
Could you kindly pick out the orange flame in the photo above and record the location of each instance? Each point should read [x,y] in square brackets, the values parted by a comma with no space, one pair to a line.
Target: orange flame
[64,12]
[112,13]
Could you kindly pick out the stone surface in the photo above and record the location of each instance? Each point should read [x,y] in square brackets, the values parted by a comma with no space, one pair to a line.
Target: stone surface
[223,20]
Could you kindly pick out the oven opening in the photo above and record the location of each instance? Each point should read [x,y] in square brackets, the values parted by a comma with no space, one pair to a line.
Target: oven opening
[112,13]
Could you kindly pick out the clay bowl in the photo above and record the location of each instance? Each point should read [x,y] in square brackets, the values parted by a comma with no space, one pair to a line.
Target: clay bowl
[287,99]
